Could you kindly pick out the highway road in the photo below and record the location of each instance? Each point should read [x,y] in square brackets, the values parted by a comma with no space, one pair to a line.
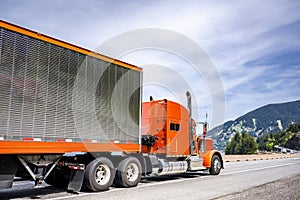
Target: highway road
[234,179]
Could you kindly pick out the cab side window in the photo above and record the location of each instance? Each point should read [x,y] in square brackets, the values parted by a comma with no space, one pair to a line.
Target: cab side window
[174,127]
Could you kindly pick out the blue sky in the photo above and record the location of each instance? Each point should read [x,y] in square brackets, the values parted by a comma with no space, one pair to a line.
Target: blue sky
[254,45]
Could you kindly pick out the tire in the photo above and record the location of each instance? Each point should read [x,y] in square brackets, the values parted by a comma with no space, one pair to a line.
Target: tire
[128,173]
[215,165]
[99,174]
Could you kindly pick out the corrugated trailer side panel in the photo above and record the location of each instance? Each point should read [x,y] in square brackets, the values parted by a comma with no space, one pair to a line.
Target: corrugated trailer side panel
[54,93]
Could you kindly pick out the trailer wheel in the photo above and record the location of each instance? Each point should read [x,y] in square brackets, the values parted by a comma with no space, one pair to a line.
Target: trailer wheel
[128,172]
[99,174]
[215,165]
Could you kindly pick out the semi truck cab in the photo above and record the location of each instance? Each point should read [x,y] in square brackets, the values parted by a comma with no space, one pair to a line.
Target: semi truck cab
[169,133]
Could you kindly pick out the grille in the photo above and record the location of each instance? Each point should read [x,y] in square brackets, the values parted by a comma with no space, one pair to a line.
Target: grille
[51,92]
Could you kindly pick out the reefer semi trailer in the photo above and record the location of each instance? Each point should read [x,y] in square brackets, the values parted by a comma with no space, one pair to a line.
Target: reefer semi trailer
[73,118]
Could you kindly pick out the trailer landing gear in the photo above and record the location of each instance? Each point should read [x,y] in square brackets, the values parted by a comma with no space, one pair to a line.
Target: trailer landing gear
[38,175]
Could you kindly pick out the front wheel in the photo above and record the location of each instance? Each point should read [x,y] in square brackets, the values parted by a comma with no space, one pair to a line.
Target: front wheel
[215,165]
[99,174]
[128,173]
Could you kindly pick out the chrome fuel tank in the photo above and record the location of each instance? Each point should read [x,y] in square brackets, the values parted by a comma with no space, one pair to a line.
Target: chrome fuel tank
[167,168]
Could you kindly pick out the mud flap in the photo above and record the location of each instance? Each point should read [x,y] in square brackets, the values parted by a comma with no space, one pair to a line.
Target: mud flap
[8,169]
[76,181]
[6,181]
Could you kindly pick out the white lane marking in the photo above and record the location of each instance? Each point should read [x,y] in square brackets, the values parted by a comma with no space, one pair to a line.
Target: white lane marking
[121,189]
[260,168]
[84,194]
[171,181]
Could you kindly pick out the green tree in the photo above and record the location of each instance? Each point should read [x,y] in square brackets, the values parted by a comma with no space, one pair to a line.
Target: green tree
[267,142]
[249,146]
[270,144]
[294,127]
[261,141]
[241,144]
[232,146]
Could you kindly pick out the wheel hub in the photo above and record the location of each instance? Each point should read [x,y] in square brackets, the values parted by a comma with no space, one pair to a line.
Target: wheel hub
[217,164]
[132,172]
[102,174]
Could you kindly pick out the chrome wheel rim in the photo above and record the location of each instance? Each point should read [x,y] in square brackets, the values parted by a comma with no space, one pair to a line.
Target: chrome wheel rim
[132,172]
[217,165]
[102,174]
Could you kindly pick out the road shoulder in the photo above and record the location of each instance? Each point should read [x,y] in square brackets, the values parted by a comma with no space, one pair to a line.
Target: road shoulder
[285,189]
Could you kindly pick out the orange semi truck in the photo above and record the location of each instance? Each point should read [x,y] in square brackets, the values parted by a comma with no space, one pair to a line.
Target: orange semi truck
[74,118]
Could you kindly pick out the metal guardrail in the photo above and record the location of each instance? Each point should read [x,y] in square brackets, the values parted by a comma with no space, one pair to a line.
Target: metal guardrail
[254,157]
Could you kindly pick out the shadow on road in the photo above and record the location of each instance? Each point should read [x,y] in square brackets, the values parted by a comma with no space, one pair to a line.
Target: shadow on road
[173,177]
[25,190]
[30,193]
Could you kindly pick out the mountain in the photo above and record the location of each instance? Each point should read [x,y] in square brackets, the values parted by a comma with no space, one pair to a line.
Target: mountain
[267,119]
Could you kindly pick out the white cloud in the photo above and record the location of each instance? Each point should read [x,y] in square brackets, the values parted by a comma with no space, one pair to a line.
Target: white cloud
[233,34]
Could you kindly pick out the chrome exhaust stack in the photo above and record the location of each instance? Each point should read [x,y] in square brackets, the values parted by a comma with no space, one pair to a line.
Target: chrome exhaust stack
[189,106]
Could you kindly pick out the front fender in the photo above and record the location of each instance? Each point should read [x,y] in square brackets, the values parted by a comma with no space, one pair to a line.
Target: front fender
[207,157]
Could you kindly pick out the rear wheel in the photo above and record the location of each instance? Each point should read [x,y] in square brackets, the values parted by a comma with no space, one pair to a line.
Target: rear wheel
[99,174]
[128,173]
[215,165]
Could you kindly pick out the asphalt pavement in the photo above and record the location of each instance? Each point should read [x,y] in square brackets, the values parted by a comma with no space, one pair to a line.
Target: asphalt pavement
[239,180]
